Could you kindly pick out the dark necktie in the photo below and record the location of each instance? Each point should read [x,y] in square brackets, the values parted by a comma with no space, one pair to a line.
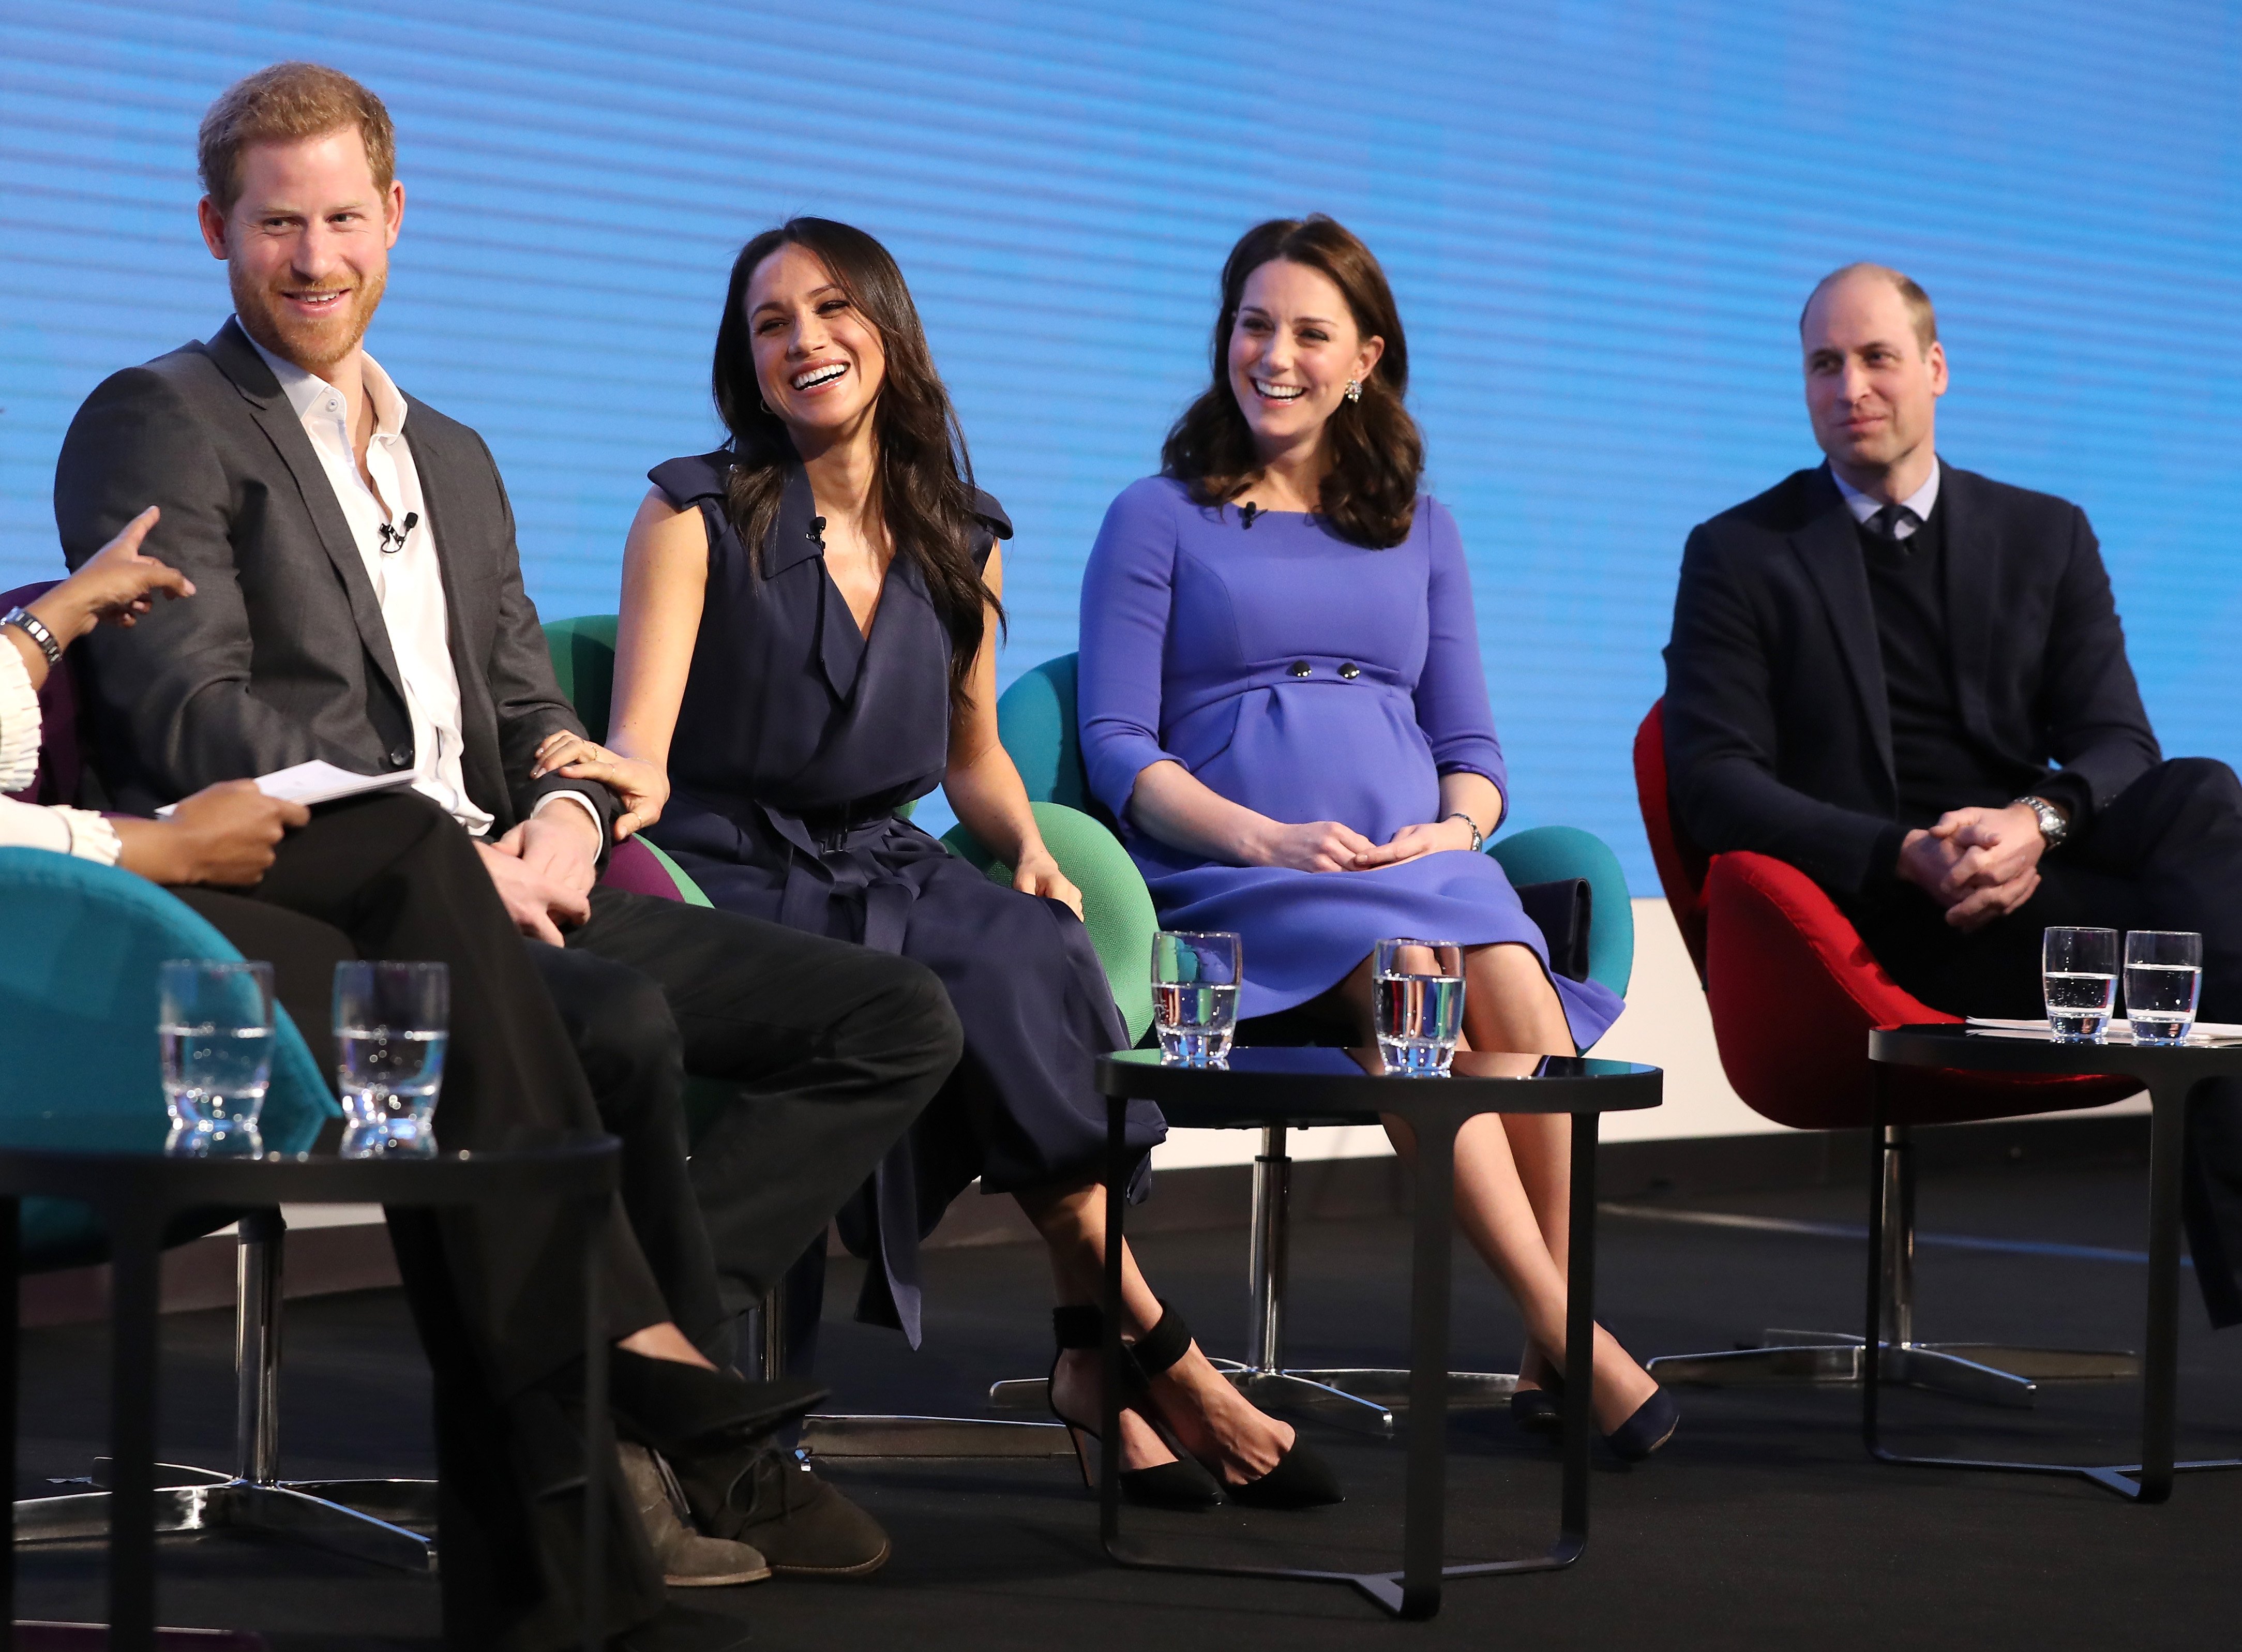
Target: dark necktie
[1886,523]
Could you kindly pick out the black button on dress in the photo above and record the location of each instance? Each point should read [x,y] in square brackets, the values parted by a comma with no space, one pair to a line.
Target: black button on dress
[797,737]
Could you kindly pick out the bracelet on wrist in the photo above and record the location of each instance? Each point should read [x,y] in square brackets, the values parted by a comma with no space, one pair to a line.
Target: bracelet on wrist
[1457,814]
[32,626]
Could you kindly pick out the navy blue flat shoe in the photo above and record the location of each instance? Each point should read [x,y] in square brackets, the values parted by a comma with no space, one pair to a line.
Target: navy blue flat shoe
[1651,1426]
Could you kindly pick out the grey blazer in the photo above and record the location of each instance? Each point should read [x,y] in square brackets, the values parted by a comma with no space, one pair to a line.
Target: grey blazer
[282,654]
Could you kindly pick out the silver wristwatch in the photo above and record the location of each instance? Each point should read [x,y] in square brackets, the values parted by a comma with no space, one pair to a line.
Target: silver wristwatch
[2053,826]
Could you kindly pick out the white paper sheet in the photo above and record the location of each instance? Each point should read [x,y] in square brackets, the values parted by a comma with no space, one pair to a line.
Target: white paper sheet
[316,782]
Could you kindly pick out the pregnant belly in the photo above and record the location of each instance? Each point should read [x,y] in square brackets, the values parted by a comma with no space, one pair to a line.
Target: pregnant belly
[1319,752]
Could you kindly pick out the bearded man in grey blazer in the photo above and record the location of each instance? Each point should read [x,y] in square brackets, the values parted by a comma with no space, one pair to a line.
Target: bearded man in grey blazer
[361,601]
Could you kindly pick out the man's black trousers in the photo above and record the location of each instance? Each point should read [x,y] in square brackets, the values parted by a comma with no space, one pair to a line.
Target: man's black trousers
[835,1048]
[2164,854]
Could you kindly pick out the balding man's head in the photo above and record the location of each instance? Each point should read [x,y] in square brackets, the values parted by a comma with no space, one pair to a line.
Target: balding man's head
[1874,371]
[1919,311]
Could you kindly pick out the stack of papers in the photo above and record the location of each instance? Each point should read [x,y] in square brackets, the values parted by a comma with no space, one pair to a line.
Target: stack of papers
[315,783]
[2208,1034]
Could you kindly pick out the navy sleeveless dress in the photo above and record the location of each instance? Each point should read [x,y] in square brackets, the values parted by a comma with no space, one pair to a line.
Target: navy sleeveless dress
[797,737]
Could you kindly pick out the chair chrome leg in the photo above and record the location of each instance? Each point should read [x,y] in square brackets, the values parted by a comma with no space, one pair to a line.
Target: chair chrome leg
[279,1510]
[857,1435]
[1989,1373]
[1357,1397]
[874,1436]
[365,1518]
[1783,1363]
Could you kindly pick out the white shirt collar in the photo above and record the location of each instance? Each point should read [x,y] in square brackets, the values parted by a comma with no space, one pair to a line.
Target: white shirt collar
[304,390]
[1863,507]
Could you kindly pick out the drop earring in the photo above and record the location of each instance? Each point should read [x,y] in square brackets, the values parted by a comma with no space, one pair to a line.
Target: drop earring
[1354,390]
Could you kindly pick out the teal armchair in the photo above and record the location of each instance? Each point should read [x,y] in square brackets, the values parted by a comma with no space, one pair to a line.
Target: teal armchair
[80,947]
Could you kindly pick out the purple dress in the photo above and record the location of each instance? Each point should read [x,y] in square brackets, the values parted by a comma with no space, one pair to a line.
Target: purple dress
[1307,679]
[797,737]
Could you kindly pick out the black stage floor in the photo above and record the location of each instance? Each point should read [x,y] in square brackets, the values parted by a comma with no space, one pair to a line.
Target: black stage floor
[1763,1525]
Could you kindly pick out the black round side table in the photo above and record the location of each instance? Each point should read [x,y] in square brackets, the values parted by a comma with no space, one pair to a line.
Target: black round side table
[2169,1072]
[1292,1086]
[119,1165]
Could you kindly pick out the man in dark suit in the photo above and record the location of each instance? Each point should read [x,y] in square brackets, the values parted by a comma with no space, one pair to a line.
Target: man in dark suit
[361,601]
[1910,682]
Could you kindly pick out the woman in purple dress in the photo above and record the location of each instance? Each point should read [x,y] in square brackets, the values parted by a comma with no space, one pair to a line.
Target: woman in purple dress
[1281,699]
[798,692]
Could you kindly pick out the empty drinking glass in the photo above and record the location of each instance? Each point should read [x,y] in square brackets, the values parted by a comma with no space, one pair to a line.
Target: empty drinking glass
[1420,994]
[1195,979]
[392,1022]
[2163,973]
[2078,973]
[214,1032]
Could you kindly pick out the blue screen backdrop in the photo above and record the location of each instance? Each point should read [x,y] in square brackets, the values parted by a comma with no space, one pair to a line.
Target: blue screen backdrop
[1601,220]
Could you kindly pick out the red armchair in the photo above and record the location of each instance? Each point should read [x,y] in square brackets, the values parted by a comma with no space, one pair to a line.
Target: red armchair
[1794,992]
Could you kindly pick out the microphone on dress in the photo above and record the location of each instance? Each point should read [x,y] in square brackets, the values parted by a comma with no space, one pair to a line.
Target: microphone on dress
[817,535]
[393,539]
[1248,512]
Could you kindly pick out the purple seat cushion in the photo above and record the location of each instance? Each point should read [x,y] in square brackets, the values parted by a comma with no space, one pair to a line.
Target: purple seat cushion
[633,868]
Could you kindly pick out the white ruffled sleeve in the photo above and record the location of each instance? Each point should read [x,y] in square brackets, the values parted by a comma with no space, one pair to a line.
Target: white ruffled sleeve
[19,721]
[66,831]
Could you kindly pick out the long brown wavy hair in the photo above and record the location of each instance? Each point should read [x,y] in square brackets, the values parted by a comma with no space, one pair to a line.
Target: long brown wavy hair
[925,477]
[1378,457]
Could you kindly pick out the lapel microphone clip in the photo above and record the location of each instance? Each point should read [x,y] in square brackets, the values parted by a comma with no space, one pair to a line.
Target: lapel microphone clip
[1250,510]
[393,539]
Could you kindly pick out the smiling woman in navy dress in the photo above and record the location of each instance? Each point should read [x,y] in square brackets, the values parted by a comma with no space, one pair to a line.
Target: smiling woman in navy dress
[1281,695]
[797,693]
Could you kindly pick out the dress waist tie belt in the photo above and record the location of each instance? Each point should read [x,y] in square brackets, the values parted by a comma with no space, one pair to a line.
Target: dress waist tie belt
[1322,670]
[829,864]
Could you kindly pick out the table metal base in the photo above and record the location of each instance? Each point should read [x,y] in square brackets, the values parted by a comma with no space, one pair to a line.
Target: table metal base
[370,1520]
[136,1190]
[1391,1590]
[1414,1591]
[1891,1224]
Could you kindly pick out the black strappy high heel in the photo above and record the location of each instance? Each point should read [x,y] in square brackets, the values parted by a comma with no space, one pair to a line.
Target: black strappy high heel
[1181,1484]
[1300,1479]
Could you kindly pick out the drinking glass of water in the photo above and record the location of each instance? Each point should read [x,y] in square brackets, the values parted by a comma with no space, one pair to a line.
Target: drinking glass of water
[2078,972]
[1420,991]
[214,1031]
[2163,973]
[1195,979]
[391,1021]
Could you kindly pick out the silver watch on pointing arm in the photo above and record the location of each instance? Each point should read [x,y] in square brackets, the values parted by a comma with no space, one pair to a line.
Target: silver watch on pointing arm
[2052,825]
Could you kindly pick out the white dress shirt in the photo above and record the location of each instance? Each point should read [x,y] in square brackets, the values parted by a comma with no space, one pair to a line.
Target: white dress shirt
[67,831]
[1914,510]
[407,580]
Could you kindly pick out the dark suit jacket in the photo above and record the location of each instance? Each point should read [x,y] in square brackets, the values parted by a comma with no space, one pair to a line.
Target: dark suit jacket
[1778,727]
[282,654]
